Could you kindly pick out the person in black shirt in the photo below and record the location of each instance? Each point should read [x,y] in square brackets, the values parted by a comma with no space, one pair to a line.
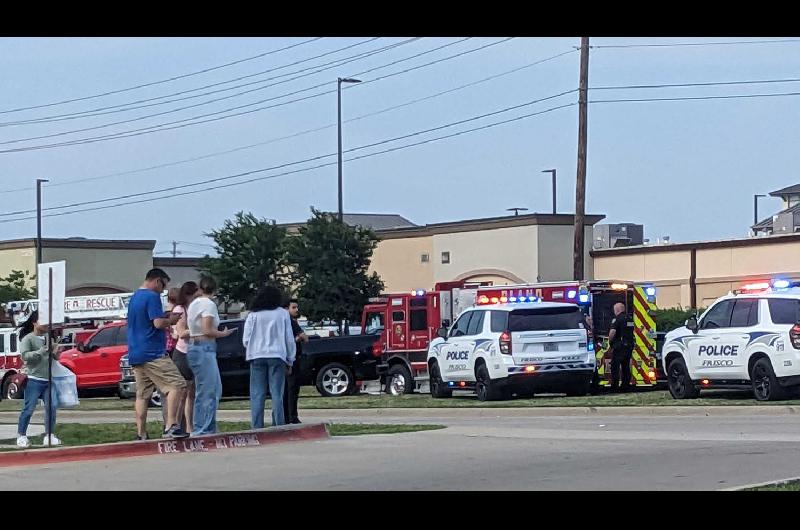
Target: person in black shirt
[292,389]
[621,340]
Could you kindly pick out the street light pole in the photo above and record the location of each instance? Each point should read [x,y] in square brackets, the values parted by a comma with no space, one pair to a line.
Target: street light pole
[755,208]
[39,220]
[339,82]
[553,171]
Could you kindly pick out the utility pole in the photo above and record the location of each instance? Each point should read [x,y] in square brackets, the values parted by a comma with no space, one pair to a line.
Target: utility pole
[174,249]
[580,184]
[39,183]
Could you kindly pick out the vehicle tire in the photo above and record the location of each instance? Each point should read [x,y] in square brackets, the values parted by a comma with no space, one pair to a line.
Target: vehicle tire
[680,384]
[485,388]
[10,389]
[580,388]
[399,380]
[335,380]
[438,387]
[765,385]
[156,400]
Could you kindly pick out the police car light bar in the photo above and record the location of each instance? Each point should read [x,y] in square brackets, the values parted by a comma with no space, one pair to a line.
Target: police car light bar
[619,286]
[419,292]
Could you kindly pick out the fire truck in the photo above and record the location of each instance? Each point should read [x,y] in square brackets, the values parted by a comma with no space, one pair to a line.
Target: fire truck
[83,315]
[407,322]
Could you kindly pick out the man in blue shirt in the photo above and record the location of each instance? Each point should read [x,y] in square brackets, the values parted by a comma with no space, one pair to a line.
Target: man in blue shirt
[147,341]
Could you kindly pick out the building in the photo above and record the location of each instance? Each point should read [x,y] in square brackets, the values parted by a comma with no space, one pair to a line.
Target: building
[786,221]
[696,274]
[94,266]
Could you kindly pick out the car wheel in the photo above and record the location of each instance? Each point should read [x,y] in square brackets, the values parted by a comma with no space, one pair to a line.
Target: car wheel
[485,388]
[11,390]
[680,384]
[765,384]
[335,380]
[439,388]
[399,380]
[156,400]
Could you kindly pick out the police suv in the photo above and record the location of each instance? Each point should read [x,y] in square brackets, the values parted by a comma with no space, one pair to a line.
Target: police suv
[513,348]
[749,337]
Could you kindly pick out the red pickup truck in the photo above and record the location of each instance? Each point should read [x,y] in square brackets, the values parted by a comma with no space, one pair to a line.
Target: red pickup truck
[95,362]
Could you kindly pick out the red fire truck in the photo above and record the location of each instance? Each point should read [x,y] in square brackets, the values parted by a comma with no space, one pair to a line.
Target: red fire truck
[408,322]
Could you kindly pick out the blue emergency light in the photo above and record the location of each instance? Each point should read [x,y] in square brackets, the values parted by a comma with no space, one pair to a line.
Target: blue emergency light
[650,291]
[781,284]
[572,294]
[583,298]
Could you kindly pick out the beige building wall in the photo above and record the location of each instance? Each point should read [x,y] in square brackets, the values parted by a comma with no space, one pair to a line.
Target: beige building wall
[555,252]
[95,270]
[508,254]
[18,259]
[399,263]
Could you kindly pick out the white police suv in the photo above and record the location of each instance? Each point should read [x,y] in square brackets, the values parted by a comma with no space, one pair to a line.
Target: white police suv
[748,337]
[513,348]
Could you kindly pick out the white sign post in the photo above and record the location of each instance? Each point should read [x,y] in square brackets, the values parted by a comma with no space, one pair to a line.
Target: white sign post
[51,280]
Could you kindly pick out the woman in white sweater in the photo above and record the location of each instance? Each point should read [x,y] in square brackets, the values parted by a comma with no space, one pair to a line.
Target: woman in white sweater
[271,351]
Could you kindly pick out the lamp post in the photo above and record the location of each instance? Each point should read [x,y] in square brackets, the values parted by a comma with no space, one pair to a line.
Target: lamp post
[339,82]
[553,171]
[755,207]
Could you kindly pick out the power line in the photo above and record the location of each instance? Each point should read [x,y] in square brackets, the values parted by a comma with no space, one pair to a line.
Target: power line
[676,44]
[219,179]
[164,126]
[301,133]
[96,111]
[385,151]
[696,98]
[175,78]
[715,83]
[331,65]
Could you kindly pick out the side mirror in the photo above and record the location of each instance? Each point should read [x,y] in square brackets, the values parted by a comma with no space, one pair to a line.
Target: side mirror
[80,347]
[691,324]
[442,332]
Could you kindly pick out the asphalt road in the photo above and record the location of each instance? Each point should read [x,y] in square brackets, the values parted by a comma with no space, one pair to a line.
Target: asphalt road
[479,449]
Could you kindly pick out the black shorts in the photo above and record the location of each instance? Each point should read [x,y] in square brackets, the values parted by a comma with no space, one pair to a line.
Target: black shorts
[181,361]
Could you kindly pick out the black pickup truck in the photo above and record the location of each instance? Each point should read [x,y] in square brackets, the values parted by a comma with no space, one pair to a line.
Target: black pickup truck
[332,364]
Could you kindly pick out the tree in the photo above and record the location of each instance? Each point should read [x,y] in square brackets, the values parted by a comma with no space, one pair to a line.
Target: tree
[14,287]
[330,263]
[252,253]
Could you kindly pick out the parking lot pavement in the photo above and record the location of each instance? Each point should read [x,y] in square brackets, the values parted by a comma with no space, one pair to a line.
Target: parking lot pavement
[476,452]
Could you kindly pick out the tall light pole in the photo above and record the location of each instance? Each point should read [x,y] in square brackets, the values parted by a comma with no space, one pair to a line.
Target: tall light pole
[39,221]
[553,171]
[755,208]
[339,82]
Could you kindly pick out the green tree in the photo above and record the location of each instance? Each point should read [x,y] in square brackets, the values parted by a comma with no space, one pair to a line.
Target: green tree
[330,263]
[251,253]
[14,287]
[668,319]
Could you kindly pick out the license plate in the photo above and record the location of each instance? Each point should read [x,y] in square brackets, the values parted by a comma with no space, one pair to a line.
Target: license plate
[550,346]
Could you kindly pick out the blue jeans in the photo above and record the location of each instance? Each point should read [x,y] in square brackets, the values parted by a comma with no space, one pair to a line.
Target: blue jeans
[34,391]
[202,359]
[267,374]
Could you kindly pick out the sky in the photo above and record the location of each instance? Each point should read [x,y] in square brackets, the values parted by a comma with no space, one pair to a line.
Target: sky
[685,169]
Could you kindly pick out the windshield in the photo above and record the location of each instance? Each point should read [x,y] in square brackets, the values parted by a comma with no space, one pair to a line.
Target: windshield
[374,323]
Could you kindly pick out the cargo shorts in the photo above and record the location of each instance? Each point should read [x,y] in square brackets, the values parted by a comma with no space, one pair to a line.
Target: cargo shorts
[161,373]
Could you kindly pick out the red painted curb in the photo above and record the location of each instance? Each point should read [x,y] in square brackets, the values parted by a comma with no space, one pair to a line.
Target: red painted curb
[199,444]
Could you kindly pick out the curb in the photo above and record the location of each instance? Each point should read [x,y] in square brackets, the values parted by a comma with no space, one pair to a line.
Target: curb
[689,410]
[199,444]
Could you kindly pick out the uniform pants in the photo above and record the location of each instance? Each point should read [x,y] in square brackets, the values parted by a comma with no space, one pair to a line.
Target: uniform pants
[621,367]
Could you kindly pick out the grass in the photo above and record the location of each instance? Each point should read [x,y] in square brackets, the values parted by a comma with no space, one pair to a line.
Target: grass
[74,434]
[310,399]
[787,486]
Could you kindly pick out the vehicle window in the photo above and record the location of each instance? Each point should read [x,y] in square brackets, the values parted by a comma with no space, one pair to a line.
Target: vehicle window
[718,316]
[745,313]
[476,324]
[545,319]
[2,343]
[13,342]
[122,336]
[419,320]
[375,323]
[104,337]
[499,321]
[398,316]
[461,325]
[784,310]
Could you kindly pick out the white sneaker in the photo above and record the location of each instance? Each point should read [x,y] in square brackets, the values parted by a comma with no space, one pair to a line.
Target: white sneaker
[53,441]
[22,441]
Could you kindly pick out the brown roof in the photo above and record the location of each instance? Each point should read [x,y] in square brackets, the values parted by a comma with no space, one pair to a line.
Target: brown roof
[80,242]
[722,243]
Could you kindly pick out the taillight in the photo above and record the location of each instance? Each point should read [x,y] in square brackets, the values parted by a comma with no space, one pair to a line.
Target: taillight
[505,343]
[377,349]
[794,336]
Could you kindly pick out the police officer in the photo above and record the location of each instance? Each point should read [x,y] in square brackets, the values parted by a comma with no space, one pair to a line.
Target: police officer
[291,392]
[621,339]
